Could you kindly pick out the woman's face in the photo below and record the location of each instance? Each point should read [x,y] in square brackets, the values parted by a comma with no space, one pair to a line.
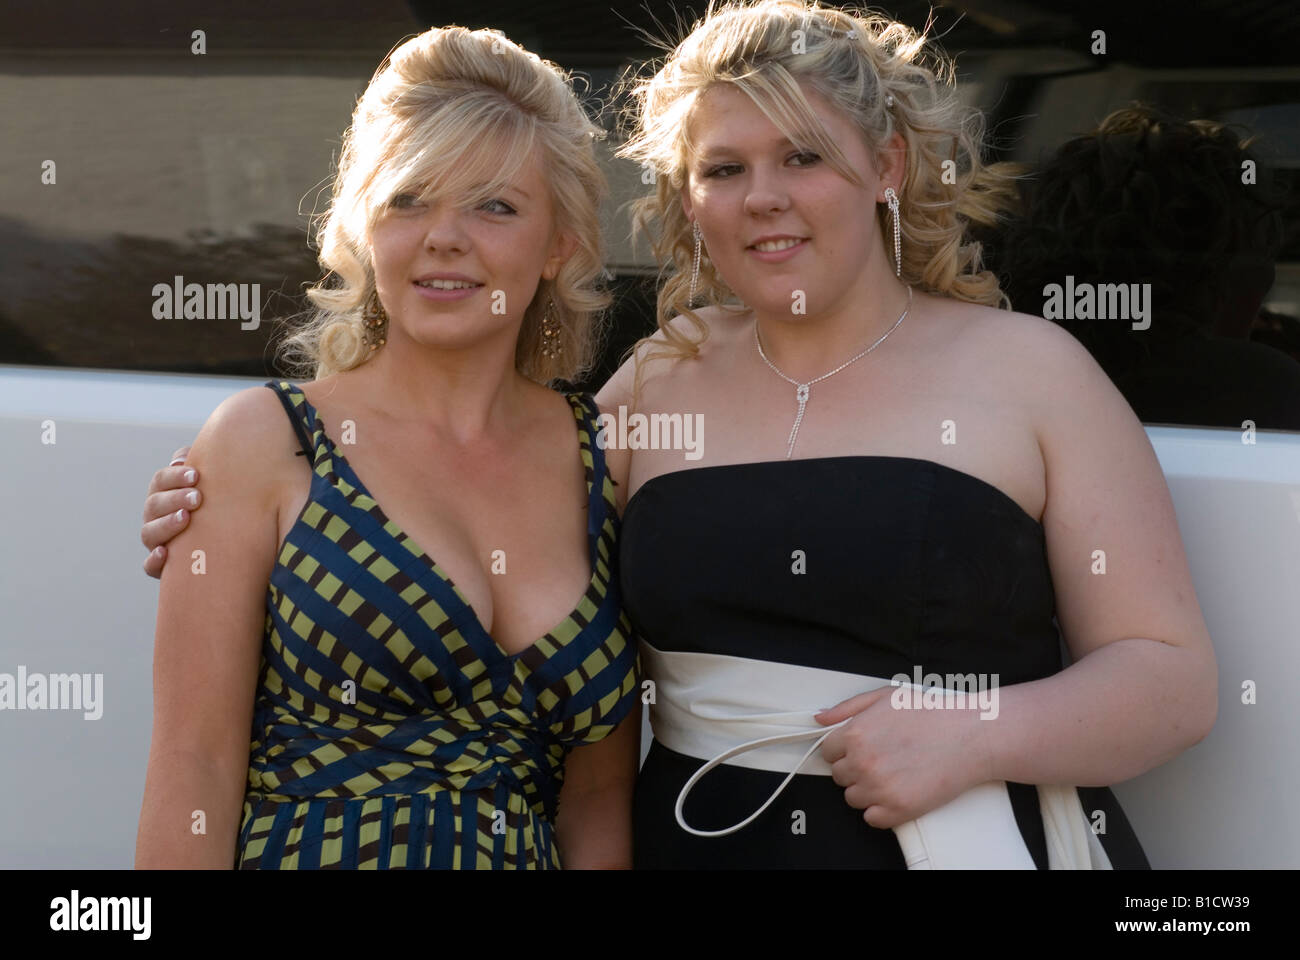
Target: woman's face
[748,183]
[492,256]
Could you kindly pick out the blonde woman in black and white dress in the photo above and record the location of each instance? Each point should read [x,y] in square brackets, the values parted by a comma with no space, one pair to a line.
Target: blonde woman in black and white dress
[899,480]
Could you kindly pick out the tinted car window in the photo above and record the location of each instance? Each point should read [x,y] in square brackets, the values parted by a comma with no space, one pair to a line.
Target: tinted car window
[157,200]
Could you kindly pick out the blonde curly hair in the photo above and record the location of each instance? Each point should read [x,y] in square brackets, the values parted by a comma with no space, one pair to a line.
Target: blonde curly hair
[457,113]
[856,60]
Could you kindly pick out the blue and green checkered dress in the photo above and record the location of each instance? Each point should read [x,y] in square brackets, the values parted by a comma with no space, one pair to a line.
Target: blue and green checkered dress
[390,730]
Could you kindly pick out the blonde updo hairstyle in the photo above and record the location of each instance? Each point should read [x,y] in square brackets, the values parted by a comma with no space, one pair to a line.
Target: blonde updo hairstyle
[855,60]
[456,113]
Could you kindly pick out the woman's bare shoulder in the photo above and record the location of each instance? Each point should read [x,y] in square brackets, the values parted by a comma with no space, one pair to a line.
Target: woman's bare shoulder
[253,413]
[247,444]
[1039,366]
[661,361]
[1025,350]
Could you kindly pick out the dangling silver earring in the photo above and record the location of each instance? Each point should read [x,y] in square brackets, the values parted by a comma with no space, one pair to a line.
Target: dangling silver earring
[695,274]
[891,198]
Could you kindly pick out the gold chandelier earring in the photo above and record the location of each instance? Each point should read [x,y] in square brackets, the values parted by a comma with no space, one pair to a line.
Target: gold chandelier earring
[375,320]
[551,346]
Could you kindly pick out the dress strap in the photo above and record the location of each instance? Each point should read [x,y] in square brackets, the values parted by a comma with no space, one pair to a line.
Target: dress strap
[585,412]
[297,414]
[601,502]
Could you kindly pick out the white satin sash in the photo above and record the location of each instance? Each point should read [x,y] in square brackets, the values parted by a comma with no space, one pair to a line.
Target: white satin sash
[723,709]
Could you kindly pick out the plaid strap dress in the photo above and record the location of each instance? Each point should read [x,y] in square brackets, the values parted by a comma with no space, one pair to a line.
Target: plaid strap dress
[390,730]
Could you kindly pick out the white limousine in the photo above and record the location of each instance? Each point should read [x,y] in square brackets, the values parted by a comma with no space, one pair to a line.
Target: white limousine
[80,447]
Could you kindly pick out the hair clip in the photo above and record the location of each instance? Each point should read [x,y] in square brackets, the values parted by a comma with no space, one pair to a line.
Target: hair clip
[889,99]
[851,35]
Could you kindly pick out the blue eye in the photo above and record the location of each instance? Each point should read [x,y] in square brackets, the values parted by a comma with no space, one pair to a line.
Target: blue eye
[403,201]
[505,208]
[717,171]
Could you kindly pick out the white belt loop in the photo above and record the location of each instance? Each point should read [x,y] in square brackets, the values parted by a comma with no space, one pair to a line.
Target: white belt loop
[761,742]
[706,702]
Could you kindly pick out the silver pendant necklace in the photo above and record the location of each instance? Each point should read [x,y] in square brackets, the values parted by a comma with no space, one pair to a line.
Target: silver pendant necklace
[801,390]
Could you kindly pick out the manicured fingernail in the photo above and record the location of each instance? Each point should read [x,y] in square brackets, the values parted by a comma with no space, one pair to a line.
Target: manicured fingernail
[176,461]
[192,498]
[180,515]
[189,476]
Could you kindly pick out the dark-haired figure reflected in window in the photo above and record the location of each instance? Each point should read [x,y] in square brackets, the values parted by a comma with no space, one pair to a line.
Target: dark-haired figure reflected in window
[1151,199]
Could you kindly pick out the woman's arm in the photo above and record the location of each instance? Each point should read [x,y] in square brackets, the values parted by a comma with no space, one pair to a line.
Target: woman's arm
[1144,684]
[207,648]
[594,823]
[1143,687]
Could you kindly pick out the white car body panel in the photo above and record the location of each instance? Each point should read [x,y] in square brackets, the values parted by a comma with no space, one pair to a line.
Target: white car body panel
[75,600]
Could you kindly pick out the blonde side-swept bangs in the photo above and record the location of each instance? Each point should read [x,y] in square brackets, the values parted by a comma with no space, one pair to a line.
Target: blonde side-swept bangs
[456,114]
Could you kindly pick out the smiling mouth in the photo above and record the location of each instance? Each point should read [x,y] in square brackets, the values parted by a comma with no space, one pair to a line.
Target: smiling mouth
[447,284]
[775,246]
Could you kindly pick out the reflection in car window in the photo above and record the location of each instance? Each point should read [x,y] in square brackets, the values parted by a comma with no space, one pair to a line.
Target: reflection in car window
[156,203]
[1154,240]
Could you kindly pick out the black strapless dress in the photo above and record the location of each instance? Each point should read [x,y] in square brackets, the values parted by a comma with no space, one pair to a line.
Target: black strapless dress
[908,562]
